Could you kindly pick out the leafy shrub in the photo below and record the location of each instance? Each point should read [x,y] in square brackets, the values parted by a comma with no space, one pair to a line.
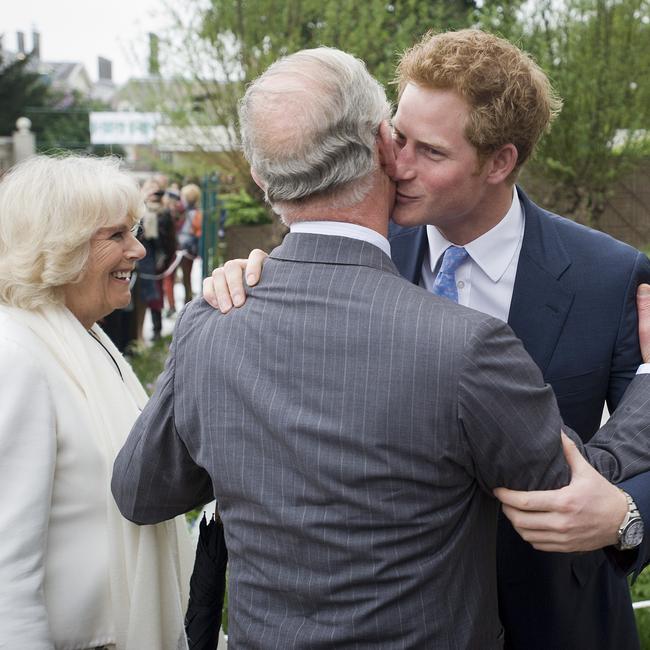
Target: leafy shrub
[244,210]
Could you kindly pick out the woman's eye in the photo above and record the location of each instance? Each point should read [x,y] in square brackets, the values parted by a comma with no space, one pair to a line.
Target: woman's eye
[117,236]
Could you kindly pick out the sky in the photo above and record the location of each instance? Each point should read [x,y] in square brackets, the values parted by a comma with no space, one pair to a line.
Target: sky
[82,30]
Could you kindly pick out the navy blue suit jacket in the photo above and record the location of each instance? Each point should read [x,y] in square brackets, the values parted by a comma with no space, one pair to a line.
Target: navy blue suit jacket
[574,308]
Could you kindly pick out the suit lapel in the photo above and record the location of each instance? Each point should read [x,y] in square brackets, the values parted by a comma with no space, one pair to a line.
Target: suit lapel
[540,303]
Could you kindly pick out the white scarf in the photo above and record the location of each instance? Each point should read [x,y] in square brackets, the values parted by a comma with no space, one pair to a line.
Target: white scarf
[149,565]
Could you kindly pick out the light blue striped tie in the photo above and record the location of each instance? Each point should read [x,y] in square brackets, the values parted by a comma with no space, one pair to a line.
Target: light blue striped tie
[445,283]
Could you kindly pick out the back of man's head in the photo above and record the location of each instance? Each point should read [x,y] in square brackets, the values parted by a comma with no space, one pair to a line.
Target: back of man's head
[510,98]
[309,127]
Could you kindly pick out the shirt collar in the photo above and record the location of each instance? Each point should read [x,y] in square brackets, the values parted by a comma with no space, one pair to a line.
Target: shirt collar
[493,250]
[342,229]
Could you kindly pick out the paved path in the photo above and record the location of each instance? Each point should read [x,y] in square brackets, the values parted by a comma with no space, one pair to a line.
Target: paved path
[179,298]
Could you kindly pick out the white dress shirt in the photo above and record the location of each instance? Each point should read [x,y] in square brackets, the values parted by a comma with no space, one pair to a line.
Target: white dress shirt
[486,279]
[342,229]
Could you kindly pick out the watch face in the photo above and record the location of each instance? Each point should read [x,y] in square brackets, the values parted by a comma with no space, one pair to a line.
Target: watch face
[633,533]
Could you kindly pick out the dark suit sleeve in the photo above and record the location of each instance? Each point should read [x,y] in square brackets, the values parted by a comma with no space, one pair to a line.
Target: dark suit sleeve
[509,416]
[154,476]
[625,361]
[620,449]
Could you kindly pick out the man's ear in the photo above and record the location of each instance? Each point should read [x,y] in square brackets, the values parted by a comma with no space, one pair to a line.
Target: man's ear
[501,163]
[386,149]
[258,181]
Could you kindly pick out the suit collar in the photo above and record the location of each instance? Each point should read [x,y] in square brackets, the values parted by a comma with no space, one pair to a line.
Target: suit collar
[541,242]
[342,229]
[332,249]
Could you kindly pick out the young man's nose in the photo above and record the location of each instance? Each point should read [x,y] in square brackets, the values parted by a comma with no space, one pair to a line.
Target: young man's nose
[404,164]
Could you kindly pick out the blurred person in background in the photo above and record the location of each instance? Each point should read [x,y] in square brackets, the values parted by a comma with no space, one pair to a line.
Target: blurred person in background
[172,221]
[148,287]
[190,233]
[161,180]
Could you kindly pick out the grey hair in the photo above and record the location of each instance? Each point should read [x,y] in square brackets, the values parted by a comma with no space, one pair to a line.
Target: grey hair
[49,209]
[309,125]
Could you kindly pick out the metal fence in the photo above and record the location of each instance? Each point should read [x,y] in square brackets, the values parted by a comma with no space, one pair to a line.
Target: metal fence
[213,218]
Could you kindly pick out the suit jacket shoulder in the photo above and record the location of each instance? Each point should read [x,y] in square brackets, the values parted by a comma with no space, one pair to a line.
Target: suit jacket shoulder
[572,279]
[558,242]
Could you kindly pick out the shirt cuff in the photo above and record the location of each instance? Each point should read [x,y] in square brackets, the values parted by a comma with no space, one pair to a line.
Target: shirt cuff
[644,369]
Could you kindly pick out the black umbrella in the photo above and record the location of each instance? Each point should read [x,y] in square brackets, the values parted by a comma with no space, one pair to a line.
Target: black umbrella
[207,587]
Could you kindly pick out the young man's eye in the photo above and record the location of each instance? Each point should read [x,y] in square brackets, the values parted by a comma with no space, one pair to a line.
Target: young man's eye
[136,230]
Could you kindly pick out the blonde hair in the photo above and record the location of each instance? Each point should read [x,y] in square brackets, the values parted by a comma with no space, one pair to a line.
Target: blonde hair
[191,194]
[510,97]
[50,207]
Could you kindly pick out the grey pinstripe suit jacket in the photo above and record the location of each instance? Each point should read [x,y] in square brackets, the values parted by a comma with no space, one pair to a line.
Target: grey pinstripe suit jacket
[351,426]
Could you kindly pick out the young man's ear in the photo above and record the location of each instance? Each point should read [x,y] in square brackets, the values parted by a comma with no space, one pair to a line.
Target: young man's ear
[386,149]
[501,163]
[258,181]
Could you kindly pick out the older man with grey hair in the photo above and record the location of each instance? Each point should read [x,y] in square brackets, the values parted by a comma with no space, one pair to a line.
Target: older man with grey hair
[326,146]
[350,425]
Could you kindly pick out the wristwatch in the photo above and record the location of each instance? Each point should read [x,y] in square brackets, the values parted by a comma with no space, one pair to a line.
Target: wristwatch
[630,532]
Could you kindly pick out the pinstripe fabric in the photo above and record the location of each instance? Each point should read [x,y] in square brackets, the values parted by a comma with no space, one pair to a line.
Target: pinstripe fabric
[352,426]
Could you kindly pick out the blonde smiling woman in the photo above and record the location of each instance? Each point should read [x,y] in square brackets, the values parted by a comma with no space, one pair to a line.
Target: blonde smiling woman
[73,573]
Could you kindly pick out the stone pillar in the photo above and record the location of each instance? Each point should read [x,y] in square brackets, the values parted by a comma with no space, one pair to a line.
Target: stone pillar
[24,140]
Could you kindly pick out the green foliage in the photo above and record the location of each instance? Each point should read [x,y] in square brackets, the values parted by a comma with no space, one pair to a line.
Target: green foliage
[375,31]
[213,48]
[19,88]
[59,122]
[503,17]
[67,125]
[597,54]
[244,210]
[641,591]
[224,611]
[148,361]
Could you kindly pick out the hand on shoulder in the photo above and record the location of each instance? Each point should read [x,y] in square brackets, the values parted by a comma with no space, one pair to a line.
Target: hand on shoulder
[224,288]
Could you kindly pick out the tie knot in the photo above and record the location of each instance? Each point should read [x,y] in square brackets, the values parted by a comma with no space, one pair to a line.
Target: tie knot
[454,256]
